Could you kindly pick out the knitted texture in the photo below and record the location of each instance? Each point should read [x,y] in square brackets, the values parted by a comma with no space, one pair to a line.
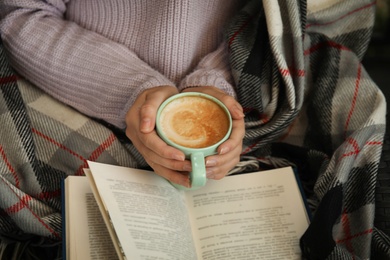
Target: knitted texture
[98,56]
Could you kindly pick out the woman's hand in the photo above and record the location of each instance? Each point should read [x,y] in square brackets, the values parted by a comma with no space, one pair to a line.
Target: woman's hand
[165,160]
[217,166]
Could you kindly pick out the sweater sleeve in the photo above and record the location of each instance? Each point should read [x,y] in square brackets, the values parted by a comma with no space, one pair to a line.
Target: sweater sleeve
[212,70]
[97,76]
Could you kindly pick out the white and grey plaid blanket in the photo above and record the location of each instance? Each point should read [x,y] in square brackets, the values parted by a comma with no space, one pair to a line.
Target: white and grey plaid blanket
[308,102]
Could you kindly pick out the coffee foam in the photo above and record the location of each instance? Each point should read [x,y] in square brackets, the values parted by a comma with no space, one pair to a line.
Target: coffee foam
[194,121]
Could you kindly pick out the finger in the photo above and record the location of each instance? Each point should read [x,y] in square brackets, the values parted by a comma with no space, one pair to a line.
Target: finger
[147,116]
[154,143]
[222,164]
[180,178]
[235,109]
[148,109]
[218,173]
[172,164]
[235,139]
[148,112]
[163,166]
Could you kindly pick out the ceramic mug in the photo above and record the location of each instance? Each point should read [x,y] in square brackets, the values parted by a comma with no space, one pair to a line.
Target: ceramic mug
[196,124]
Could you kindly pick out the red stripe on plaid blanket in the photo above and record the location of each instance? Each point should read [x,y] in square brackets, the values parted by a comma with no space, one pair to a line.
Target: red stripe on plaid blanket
[239,31]
[23,204]
[80,171]
[355,145]
[8,79]
[321,45]
[51,140]
[95,154]
[366,232]
[249,148]
[18,206]
[356,149]
[374,143]
[49,195]
[347,230]
[343,16]
[292,71]
[9,166]
[107,143]
[354,98]
[262,118]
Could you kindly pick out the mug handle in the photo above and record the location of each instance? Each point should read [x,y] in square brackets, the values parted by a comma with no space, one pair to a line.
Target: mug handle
[198,173]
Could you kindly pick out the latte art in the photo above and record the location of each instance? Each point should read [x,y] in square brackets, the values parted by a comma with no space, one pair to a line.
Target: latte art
[194,121]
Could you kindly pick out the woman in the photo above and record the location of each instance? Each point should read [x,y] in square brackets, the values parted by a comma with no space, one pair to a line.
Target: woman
[119,60]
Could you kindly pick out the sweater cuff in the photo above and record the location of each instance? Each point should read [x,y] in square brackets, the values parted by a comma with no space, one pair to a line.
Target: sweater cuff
[208,78]
[154,82]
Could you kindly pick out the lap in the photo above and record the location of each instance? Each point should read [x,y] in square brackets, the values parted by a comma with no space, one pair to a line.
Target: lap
[43,141]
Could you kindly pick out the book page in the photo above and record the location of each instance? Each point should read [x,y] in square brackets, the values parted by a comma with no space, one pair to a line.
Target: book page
[148,214]
[87,236]
[250,216]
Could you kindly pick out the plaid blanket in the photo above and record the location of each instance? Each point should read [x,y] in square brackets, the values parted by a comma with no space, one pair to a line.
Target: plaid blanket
[308,103]
[43,141]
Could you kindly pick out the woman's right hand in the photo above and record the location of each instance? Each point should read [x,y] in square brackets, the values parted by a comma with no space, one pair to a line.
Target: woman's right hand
[165,160]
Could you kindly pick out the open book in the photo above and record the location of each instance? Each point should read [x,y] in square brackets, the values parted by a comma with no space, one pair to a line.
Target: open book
[85,235]
[239,217]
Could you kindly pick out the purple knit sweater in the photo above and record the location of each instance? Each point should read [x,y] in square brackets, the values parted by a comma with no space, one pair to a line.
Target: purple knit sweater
[98,56]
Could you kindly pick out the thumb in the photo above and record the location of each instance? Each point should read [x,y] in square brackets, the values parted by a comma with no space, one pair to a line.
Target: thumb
[147,118]
[148,111]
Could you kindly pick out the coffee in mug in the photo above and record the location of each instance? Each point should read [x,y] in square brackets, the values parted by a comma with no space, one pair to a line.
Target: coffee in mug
[194,121]
[196,124]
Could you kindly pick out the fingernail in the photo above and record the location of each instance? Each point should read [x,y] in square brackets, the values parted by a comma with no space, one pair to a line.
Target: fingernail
[209,173]
[187,168]
[145,124]
[178,157]
[210,163]
[224,150]
[238,111]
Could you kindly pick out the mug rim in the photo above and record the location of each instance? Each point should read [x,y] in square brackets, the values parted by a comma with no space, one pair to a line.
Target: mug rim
[181,147]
